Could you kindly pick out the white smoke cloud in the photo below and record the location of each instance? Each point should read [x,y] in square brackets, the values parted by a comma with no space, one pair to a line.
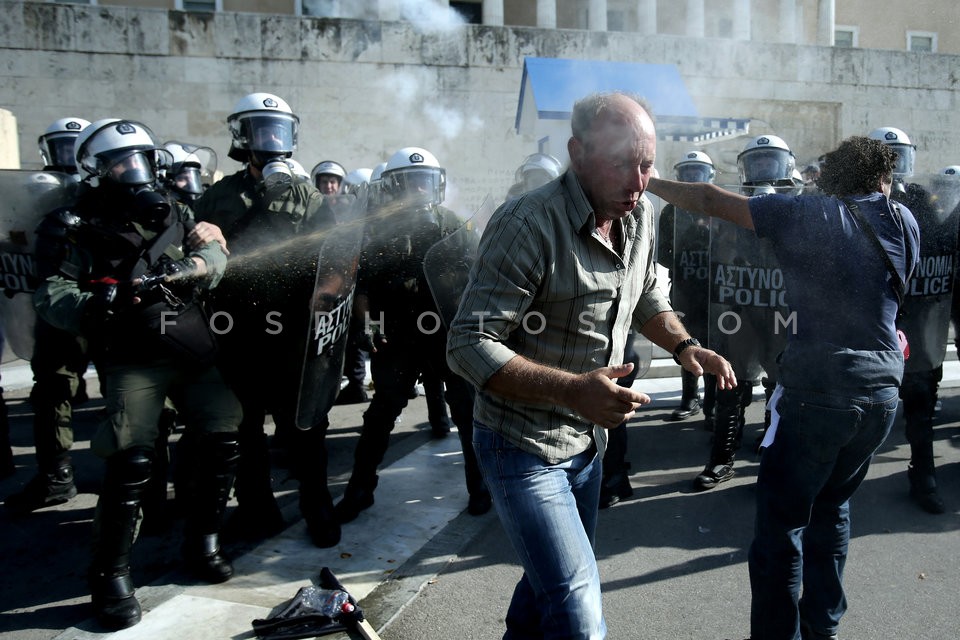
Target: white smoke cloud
[427,15]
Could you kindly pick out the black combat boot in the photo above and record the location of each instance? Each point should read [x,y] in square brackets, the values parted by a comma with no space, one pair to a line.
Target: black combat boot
[316,505]
[111,588]
[355,499]
[709,401]
[7,468]
[440,423]
[201,545]
[727,433]
[923,479]
[257,516]
[51,486]
[690,396]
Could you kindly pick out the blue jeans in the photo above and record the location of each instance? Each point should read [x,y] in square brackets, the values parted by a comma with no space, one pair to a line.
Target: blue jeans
[549,512]
[820,455]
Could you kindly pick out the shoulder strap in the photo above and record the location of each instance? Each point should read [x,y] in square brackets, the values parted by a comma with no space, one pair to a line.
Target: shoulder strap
[898,282]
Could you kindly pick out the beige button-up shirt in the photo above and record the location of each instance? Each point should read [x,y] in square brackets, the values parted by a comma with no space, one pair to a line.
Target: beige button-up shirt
[546,287]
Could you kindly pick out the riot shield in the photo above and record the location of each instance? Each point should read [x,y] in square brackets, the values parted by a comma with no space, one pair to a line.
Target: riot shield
[27,197]
[330,310]
[690,282]
[935,203]
[748,319]
[447,267]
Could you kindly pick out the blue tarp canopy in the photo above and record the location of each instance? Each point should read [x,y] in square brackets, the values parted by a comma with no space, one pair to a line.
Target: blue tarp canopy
[550,86]
[554,84]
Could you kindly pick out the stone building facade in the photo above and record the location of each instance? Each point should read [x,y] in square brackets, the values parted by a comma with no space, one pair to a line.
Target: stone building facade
[364,88]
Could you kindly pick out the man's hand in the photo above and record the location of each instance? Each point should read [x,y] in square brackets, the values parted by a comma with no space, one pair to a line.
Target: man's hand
[204,232]
[698,360]
[597,397]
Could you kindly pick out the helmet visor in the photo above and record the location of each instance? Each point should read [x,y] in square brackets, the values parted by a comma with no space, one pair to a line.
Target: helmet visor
[127,166]
[270,134]
[694,172]
[905,158]
[767,165]
[188,180]
[418,185]
[58,152]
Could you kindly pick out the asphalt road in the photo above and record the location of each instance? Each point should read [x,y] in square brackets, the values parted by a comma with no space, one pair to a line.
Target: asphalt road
[672,560]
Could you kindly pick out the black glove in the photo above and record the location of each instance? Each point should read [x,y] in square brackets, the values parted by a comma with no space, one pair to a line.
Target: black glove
[183,268]
[108,296]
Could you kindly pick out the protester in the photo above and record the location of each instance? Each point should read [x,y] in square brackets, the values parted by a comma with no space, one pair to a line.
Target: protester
[561,275]
[845,257]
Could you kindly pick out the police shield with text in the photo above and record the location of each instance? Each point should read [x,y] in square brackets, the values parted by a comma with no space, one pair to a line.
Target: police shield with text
[925,317]
[58,359]
[684,249]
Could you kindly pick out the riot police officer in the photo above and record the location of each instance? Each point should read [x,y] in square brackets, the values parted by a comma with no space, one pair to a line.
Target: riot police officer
[59,358]
[536,170]
[190,164]
[765,165]
[264,303]
[327,176]
[392,290]
[127,281]
[925,317]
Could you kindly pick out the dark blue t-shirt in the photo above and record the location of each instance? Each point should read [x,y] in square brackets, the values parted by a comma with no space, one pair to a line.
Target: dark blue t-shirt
[837,282]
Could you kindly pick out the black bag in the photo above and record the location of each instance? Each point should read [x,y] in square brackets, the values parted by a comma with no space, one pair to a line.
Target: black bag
[184,332]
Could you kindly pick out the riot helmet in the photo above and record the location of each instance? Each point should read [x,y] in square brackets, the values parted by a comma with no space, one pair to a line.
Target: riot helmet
[327,176]
[766,160]
[945,186]
[57,144]
[122,151]
[696,166]
[353,180]
[536,170]
[189,165]
[297,169]
[414,176]
[899,142]
[264,126]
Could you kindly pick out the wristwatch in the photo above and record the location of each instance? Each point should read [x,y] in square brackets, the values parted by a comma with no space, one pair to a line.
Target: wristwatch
[689,342]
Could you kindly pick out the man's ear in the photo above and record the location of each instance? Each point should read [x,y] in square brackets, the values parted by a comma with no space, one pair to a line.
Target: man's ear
[575,151]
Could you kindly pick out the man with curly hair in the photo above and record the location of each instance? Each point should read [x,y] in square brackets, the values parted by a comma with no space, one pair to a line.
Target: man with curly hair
[845,256]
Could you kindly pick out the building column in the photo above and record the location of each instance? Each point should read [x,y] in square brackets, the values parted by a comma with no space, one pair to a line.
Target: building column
[826,22]
[390,10]
[647,17]
[547,14]
[741,20]
[493,13]
[788,21]
[696,21]
[597,15]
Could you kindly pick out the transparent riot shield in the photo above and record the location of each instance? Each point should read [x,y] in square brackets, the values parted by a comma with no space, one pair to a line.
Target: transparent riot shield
[447,264]
[935,203]
[447,267]
[330,309]
[27,197]
[748,321]
[690,270]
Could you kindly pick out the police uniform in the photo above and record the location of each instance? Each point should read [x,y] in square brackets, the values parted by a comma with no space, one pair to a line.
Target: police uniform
[144,352]
[266,297]
[411,341]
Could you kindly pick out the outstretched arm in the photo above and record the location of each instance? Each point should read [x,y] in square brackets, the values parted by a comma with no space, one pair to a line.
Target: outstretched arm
[705,198]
